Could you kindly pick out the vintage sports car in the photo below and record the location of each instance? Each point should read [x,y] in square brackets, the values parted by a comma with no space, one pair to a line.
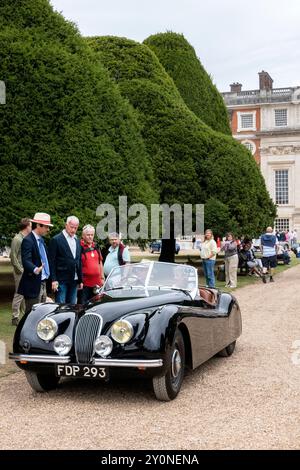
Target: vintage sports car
[149,320]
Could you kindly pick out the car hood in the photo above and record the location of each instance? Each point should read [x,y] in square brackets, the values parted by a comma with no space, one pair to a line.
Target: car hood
[112,308]
[109,307]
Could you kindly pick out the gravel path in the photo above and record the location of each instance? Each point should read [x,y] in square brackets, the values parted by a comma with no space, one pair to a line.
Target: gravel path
[248,401]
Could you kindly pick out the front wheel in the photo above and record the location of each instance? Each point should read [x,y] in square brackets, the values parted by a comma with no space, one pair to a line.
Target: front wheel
[226,352]
[41,382]
[167,387]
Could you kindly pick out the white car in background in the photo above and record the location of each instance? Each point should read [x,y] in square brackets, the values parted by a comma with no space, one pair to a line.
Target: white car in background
[256,244]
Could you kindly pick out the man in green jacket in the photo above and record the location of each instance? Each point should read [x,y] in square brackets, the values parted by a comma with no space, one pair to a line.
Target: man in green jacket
[16,261]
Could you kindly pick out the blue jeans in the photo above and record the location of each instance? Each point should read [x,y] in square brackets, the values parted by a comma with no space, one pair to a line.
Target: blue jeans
[208,268]
[66,293]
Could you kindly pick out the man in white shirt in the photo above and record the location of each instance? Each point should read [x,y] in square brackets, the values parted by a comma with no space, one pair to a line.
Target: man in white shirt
[65,263]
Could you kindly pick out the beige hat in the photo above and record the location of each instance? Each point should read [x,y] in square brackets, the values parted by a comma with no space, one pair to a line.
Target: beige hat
[42,218]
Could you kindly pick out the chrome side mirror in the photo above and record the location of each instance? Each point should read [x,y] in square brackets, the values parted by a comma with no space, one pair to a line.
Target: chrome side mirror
[97,289]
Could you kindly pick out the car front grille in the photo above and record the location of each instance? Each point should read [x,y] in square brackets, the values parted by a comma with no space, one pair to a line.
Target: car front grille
[88,328]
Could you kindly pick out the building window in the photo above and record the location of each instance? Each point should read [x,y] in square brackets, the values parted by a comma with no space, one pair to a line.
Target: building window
[249,145]
[280,117]
[282,225]
[247,121]
[281,186]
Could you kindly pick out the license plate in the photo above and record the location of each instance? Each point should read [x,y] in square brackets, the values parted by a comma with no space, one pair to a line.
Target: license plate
[84,371]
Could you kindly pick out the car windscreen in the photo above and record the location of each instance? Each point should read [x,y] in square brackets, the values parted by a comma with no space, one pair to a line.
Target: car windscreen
[154,275]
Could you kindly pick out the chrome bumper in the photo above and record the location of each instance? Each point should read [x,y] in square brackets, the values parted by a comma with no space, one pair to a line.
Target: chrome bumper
[39,358]
[97,361]
[128,362]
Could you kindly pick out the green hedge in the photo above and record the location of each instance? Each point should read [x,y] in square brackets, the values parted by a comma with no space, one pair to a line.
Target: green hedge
[193,82]
[192,162]
[69,140]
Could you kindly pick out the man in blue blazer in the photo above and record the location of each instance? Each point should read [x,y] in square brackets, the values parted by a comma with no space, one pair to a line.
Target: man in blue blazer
[35,262]
[65,263]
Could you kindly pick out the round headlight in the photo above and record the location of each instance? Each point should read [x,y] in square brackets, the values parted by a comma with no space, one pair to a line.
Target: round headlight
[62,344]
[122,331]
[103,346]
[47,329]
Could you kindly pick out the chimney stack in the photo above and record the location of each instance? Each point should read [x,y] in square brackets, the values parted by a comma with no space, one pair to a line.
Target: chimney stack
[265,81]
[235,87]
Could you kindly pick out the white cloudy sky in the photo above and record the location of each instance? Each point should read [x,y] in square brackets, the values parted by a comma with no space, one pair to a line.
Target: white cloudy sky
[233,39]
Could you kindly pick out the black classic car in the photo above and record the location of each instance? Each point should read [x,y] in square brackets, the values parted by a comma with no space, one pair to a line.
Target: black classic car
[149,320]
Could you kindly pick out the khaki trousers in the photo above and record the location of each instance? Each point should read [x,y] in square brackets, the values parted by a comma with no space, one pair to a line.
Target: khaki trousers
[231,267]
[18,303]
[37,300]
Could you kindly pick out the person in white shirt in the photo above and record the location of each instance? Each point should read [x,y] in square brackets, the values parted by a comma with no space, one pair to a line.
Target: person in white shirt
[208,255]
[65,263]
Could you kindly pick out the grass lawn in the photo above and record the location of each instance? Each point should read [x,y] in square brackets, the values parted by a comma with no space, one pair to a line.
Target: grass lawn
[7,288]
[246,280]
[6,335]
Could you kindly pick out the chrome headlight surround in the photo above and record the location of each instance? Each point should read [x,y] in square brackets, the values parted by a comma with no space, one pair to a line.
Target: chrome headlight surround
[62,345]
[122,331]
[103,346]
[46,329]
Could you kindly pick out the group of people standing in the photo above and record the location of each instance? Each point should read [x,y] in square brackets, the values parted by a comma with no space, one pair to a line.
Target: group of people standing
[208,254]
[69,268]
[231,248]
[289,236]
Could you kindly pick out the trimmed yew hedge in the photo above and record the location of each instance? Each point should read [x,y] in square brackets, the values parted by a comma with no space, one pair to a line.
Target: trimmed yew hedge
[192,162]
[190,77]
[69,140]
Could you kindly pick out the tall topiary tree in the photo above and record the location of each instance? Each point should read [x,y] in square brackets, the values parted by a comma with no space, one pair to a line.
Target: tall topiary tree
[69,140]
[151,91]
[193,82]
[192,162]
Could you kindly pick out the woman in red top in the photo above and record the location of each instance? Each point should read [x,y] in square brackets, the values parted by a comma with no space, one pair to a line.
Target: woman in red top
[92,265]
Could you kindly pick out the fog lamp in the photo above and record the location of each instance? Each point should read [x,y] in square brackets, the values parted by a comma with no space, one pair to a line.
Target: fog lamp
[62,345]
[103,345]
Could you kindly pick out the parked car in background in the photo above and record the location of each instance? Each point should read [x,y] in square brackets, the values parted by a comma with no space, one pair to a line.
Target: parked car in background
[296,249]
[5,252]
[155,247]
[198,245]
[256,244]
[150,320]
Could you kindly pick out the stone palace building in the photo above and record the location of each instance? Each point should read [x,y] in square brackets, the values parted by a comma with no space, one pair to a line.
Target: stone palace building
[267,122]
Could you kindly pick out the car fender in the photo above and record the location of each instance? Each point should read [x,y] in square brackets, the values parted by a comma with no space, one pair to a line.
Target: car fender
[162,327]
[26,338]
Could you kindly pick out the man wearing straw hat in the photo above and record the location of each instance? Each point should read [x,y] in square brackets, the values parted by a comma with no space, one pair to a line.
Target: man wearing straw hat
[35,262]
